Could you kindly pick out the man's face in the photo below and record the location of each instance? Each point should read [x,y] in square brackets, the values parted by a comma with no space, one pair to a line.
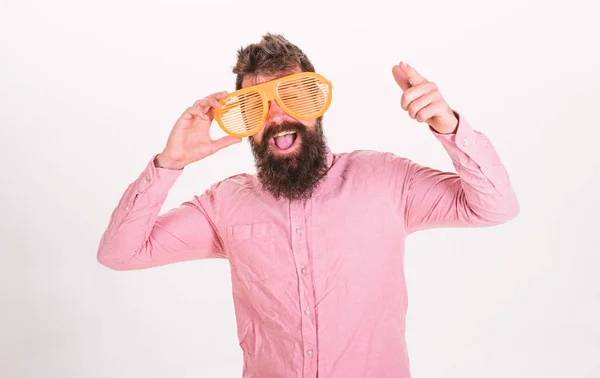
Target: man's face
[290,154]
[276,117]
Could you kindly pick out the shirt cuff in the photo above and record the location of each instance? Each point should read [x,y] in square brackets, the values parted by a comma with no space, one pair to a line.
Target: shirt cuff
[462,144]
[472,151]
[156,179]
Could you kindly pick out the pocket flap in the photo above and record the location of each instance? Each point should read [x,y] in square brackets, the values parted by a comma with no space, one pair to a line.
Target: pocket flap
[244,231]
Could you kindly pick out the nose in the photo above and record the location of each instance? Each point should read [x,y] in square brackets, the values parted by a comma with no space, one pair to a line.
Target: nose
[275,114]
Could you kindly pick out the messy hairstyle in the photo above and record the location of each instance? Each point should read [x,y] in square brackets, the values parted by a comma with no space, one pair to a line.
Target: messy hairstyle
[273,54]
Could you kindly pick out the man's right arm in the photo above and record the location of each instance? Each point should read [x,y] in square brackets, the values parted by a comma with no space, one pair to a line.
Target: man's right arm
[137,237]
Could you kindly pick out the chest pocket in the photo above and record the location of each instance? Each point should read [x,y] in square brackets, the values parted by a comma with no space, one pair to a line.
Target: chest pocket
[253,250]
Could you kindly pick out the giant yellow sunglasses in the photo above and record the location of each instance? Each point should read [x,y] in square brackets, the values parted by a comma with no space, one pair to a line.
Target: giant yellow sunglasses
[304,96]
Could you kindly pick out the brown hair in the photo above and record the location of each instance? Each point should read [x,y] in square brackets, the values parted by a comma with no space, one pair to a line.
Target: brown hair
[273,54]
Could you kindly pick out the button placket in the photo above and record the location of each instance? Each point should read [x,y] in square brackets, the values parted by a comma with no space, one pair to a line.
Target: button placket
[306,292]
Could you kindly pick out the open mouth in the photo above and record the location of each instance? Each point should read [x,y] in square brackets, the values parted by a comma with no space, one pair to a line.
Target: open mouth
[285,141]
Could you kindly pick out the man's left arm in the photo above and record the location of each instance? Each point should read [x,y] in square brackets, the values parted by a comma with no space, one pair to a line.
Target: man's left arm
[478,194]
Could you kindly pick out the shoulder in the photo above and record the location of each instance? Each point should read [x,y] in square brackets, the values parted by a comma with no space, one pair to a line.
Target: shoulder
[221,195]
[235,184]
[371,160]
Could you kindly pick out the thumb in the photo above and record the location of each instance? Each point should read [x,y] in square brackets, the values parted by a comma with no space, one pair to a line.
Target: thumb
[401,77]
[414,78]
[406,76]
[225,141]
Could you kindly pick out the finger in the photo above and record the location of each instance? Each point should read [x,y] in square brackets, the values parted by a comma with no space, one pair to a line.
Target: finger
[211,100]
[215,97]
[214,103]
[430,111]
[414,78]
[400,77]
[406,76]
[205,103]
[225,142]
[218,95]
[211,113]
[415,92]
[422,102]
[221,95]
[194,111]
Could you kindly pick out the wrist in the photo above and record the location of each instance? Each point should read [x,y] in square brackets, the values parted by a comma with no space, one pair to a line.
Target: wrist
[450,127]
[162,161]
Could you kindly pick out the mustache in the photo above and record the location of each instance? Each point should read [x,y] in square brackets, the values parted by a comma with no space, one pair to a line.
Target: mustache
[281,127]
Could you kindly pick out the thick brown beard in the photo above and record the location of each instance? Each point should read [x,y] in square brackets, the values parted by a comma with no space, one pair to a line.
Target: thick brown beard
[292,177]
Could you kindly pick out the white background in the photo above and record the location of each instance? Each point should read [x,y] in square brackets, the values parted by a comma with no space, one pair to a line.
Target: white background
[90,92]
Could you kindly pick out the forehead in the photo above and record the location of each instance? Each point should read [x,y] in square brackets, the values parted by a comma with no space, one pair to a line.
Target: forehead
[250,80]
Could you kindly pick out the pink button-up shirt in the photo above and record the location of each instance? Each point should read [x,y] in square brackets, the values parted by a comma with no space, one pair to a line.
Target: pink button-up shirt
[318,285]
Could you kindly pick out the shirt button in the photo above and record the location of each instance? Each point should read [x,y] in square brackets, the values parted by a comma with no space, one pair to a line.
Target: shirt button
[303,271]
[465,142]
[309,352]
[298,229]
[307,311]
[148,177]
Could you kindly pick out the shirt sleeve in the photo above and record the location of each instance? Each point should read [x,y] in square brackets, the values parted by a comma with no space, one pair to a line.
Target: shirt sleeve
[137,237]
[478,194]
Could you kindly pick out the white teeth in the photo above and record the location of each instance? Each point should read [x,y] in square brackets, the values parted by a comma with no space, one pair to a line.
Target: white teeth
[285,133]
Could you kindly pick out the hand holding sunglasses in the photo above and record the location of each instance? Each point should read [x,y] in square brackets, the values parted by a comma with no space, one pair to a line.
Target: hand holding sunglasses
[189,140]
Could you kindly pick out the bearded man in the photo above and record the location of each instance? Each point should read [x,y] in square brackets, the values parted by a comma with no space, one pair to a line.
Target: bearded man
[315,239]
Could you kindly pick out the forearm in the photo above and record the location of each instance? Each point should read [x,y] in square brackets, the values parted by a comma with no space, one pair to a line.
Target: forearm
[486,192]
[478,194]
[126,242]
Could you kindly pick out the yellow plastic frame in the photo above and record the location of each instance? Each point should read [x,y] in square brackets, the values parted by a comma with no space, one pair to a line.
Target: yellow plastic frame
[268,91]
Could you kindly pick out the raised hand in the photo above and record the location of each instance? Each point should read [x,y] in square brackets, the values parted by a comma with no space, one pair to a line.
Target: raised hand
[189,140]
[423,101]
